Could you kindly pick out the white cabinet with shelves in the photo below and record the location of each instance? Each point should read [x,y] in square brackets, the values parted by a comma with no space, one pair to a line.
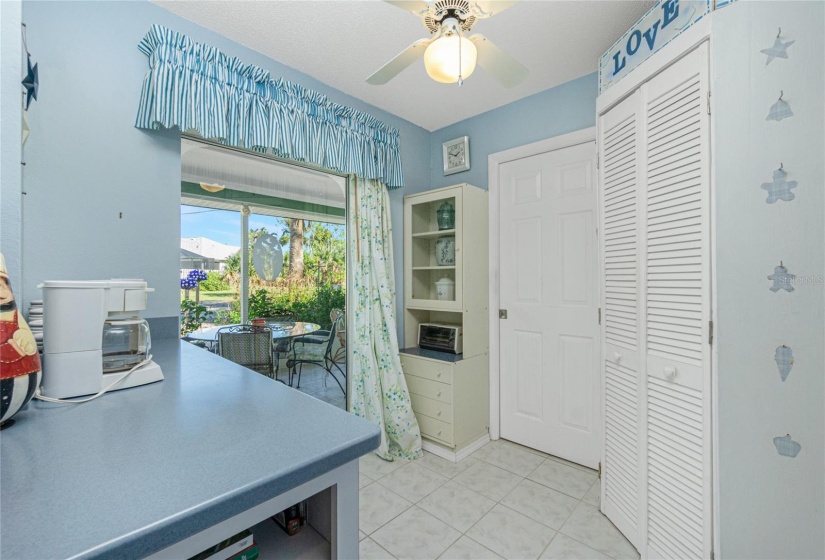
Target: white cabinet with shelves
[450,394]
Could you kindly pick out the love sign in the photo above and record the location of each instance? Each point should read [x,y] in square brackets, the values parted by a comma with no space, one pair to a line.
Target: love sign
[660,25]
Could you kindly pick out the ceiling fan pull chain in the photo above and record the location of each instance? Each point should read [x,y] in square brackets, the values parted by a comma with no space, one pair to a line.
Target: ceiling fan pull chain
[460,77]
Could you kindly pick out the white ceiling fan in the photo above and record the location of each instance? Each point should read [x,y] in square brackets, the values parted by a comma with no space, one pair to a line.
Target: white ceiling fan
[449,56]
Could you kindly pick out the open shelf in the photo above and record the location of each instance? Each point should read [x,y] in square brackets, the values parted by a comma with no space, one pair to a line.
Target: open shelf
[437,233]
[436,267]
[424,216]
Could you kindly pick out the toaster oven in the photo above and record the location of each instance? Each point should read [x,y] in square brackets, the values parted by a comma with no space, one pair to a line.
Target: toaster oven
[442,337]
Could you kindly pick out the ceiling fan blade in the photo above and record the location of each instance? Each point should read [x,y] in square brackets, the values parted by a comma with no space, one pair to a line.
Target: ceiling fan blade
[493,7]
[414,6]
[394,67]
[501,65]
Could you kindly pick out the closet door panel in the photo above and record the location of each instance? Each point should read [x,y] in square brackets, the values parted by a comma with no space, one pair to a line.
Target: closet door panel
[619,237]
[677,310]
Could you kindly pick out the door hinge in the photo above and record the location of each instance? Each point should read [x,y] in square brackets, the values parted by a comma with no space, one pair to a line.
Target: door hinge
[600,469]
[502,313]
[710,332]
[600,315]
[597,160]
[708,102]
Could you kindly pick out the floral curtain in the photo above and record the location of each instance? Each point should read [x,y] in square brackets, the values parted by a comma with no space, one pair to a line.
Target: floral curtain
[199,89]
[378,390]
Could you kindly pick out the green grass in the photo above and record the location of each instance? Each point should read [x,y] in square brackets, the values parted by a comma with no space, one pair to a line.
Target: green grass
[210,296]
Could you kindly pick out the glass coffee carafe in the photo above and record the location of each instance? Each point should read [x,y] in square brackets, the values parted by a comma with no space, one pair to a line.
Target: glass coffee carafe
[126,343]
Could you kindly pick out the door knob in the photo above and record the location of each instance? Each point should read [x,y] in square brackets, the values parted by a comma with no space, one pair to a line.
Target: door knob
[617,357]
[671,372]
[502,313]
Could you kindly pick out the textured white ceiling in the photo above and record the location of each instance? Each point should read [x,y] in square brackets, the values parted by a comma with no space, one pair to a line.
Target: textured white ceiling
[342,42]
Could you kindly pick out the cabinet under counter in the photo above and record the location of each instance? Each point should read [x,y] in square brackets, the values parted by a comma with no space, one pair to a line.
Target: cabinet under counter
[450,395]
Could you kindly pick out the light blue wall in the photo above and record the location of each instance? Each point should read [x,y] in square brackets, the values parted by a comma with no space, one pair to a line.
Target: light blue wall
[87,163]
[562,109]
[770,506]
[10,150]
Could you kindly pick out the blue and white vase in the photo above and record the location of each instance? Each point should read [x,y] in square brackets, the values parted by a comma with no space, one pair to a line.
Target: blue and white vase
[445,251]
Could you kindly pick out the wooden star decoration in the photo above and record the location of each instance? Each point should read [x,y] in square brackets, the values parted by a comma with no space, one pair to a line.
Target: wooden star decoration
[778,50]
[31,83]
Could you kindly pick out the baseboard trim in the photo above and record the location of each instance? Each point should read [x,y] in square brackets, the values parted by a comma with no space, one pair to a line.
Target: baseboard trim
[454,456]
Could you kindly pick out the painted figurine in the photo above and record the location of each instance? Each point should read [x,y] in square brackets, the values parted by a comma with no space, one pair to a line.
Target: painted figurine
[20,370]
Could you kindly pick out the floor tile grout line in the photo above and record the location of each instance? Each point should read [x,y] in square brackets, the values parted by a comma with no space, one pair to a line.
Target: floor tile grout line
[578,502]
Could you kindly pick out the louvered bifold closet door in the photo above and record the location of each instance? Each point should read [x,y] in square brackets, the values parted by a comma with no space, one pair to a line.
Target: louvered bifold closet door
[677,286]
[619,206]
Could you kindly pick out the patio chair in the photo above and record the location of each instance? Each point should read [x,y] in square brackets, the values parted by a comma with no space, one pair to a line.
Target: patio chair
[280,347]
[249,346]
[339,350]
[310,352]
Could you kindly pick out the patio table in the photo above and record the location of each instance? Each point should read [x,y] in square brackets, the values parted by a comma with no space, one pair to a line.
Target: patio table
[280,331]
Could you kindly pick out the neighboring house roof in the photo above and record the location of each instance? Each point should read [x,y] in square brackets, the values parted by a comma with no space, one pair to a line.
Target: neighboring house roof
[208,248]
[184,254]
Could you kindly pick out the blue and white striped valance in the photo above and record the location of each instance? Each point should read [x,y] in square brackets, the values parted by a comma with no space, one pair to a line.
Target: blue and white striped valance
[198,88]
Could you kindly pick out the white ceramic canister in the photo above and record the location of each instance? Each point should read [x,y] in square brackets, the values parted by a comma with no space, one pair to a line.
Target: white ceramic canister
[445,289]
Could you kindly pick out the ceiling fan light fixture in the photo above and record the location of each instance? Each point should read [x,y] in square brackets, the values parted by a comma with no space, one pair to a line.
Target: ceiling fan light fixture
[449,58]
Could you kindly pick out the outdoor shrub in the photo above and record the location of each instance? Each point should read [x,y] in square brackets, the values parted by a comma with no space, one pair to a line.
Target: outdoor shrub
[214,283]
[191,316]
[308,303]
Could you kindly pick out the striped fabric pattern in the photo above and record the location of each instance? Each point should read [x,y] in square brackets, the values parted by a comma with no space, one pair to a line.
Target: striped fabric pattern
[199,89]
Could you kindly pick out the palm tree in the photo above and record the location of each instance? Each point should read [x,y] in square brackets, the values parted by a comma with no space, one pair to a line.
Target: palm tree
[296,250]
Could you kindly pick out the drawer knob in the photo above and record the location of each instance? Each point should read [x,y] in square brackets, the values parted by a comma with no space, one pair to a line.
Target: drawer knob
[439,413]
[617,357]
[439,393]
[438,374]
[671,373]
[439,432]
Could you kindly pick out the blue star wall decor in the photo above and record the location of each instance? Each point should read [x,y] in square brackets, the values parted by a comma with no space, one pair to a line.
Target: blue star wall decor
[779,188]
[778,50]
[781,279]
[786,446]
[784,361]
[779,110]
[31,82]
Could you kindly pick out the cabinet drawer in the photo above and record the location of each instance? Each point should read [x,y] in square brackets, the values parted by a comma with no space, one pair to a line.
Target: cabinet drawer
[435,429]
[432,389]
[427,369]
[432,408]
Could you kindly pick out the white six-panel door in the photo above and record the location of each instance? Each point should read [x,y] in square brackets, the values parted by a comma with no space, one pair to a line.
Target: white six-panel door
[549,342]
[655,203]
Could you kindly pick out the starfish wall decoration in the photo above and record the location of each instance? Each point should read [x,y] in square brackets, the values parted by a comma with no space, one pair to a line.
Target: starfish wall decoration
[31,82]
[778,50]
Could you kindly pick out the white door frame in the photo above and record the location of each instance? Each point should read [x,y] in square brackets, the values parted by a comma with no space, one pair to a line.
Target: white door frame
[494,162]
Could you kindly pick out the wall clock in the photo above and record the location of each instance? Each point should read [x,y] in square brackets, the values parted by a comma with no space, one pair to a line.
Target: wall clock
[456,155]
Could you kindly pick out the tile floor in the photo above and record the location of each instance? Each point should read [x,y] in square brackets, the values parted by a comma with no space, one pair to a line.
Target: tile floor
[312,383]
[504,501]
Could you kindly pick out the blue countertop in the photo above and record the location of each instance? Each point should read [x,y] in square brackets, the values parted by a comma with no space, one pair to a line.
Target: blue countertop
[139,469]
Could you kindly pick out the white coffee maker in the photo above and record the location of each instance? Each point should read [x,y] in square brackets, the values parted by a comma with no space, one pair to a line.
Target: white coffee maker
[93,337]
